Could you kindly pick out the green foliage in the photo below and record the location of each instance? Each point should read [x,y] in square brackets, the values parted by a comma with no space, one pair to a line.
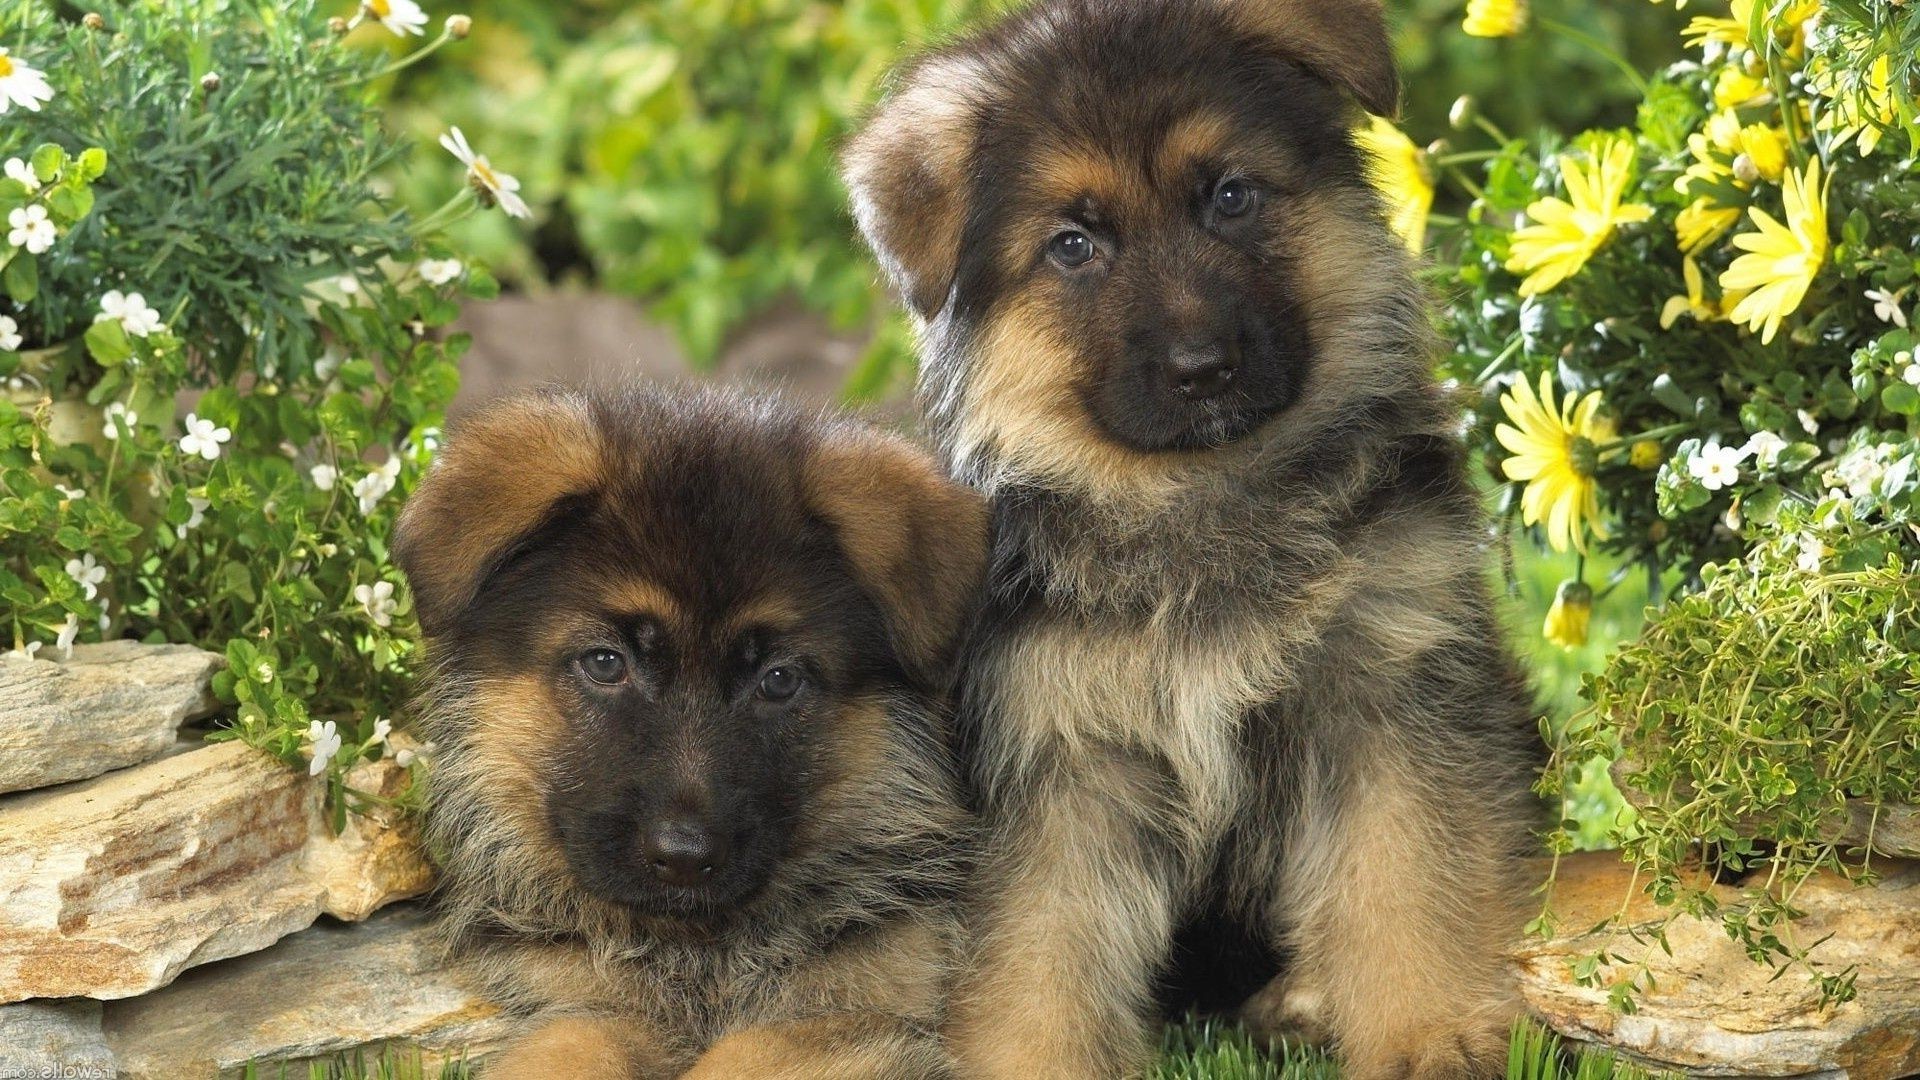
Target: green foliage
[237,255]
[387,1064]
[1752,712]
[680,151]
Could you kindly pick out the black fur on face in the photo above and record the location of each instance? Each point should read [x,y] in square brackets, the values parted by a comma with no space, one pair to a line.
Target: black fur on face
[689,649]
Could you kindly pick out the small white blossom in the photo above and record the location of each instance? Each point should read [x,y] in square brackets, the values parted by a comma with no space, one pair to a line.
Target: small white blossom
[118,411]
[23,172]
[31,228]
[24,653]
[323,476]
[374,486]
[21,84]
[1765,448]
[9,334]
[1860,471]
[348,284]
[325,738]
[87,573]
[131,309]
[203,438]
[197,513]
[105,619]
[382,727]
[492,185]
[1911,375]
[440,271]
[1886,307]
[377,601]
[70,494]
[1807,422]
[400,17]
[1812,551]
[1716,466]
[404,759]
[68,631]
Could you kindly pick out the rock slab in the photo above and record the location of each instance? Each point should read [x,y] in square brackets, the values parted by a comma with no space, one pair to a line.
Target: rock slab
[1716,1013]
[53,1038]
[113,705]
[328,989]
[112,886]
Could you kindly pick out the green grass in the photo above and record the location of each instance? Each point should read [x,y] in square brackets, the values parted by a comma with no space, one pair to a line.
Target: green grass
[1199,1050]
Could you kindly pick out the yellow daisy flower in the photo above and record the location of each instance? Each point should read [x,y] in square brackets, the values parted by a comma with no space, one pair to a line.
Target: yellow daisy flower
[1730,31]
[1863,112]
[1399,172]
[1701,223]
[1766,147]
[1694,303]
[1495,18]
[1554,447]
[1765,285]
[1735,88]
[1568,233]
[1567,620]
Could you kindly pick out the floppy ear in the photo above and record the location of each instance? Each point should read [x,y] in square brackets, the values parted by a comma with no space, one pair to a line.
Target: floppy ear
[906,170]
[501,472]
[1344,42]
[917,540]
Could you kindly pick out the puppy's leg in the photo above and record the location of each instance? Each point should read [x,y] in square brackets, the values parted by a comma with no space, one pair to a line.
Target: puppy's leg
[1399,899]
[580,1046]
[1074,916]
[846,1046]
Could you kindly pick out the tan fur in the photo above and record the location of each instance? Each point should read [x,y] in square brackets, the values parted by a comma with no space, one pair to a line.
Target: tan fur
[577,1046]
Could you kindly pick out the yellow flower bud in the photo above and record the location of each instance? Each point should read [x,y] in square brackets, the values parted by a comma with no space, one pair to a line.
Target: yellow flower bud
[1645,454]
[93,20]
[1567,619]
[1462,114]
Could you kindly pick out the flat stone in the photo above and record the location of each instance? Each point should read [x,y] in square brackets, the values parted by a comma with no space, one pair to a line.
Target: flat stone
[1713,1012]
[326,990]
[115,704]
[54,1038]
[112,886]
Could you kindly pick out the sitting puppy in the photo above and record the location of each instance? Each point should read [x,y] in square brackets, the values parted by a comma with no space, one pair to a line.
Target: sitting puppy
[693,798]
[1239,668]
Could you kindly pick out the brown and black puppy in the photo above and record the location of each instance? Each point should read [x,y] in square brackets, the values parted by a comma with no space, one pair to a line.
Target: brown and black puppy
[694,797]
[1238,667]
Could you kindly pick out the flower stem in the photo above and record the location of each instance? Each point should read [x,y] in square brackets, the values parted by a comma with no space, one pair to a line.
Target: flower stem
[1601,50]
[401,64]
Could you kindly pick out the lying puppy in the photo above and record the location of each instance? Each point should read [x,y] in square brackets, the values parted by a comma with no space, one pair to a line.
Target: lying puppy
[694,799]
[1239,667]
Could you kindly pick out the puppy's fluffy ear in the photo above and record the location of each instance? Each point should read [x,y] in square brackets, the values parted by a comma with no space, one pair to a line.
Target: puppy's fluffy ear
[1343,41]
[500,475]
[906,171]
[917,540]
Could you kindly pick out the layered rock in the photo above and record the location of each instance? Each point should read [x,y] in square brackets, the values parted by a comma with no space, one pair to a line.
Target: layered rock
[1714,1012]
[112,886]
[112,705]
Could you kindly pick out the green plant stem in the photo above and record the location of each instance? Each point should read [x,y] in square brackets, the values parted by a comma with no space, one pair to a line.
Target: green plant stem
[1601,50]
[401,64]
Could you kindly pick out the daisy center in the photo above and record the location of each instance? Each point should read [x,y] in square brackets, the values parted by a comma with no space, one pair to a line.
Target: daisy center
[1583,455]
[380,8]
[484,172]
[6,67]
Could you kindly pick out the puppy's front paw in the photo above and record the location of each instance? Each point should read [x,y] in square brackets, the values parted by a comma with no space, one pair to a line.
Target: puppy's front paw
[1453,1051]
[570,1046]
[1288,1009]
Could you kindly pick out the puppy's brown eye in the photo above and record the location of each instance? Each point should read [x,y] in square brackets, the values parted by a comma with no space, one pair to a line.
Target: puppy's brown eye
[1070,248]
[603,666]
[779,684]
[1233,198]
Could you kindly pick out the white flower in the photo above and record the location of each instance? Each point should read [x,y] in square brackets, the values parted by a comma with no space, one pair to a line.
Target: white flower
[1860,471]
[374,486]
[23,172]
[68,631]
[326,743]
[24,653]
[197,513]
[21,84]
[1765,449]
[31,228]
[70,493]
[377,601]
[348,284]
[9,334]
[1886,307]
[1807,422]
[105,619]
[87,573]
[381,728]
[1911,375]
[324,476]
[1812,551]
[404,759]
[1716,466]
[492,185]
[402,17]
[203,438]
[132,311]
[118,411]
[440,271]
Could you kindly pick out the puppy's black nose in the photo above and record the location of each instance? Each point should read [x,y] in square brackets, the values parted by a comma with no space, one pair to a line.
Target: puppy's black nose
[1201,372]
[682,852]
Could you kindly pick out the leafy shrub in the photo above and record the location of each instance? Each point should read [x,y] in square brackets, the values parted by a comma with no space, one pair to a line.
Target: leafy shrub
[238,257]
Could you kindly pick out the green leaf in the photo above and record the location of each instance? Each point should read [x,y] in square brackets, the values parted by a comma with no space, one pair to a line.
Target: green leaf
[21,278]
[107,342]
[93,163]
[48,158]
[1901,397]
